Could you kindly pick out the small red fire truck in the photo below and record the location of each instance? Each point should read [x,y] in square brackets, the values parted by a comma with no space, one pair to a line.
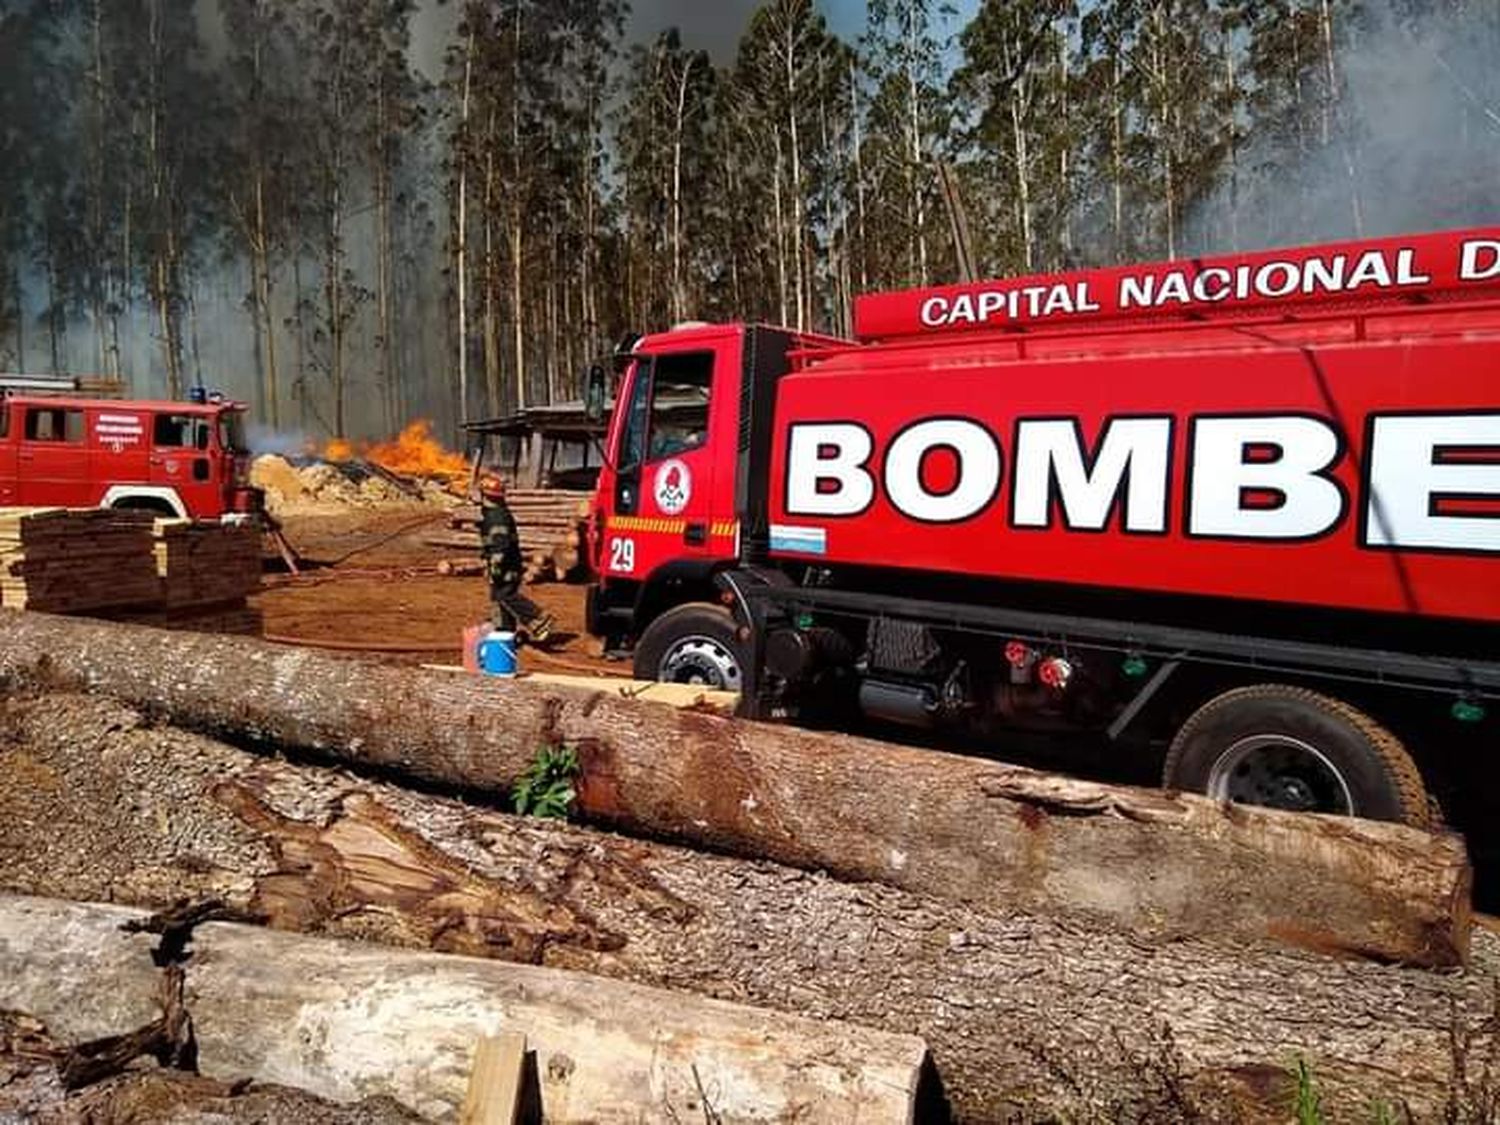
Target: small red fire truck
[185,459]
[1242,511]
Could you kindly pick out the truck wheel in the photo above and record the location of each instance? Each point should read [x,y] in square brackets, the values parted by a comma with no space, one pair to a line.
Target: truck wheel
[691,644]
[1289,748]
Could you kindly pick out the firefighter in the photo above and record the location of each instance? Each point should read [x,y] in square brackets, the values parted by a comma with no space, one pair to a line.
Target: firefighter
[514,611]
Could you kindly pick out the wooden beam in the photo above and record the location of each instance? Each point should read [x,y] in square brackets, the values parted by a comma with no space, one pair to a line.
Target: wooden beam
[494,1093]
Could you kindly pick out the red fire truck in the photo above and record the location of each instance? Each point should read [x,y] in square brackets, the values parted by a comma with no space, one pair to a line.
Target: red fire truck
[185,459]
[1241,511]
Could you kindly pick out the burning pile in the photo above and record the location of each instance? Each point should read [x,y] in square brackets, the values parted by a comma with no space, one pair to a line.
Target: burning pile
[413,468]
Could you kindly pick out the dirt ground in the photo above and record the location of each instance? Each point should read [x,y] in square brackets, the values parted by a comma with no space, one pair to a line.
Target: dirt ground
[373,588]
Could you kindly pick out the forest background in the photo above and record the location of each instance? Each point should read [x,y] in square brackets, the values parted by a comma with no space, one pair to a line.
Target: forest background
[353,213]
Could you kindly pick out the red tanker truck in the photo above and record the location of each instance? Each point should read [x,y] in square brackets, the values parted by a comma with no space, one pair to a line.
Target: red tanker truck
[1243,512]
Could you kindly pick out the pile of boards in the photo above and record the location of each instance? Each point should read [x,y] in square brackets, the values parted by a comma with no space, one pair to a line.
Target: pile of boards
[551,523]
[70,561]
[203,564]
[60,560]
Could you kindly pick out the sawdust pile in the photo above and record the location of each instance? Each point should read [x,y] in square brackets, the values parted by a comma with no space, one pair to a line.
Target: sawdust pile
[321,488]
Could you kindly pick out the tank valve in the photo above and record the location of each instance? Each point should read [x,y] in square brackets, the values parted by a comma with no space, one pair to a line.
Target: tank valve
[1055,672]
[1021,658]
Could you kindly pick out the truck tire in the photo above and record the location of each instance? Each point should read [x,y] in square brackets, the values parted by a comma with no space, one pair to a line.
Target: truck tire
[694,643]
[1291,748]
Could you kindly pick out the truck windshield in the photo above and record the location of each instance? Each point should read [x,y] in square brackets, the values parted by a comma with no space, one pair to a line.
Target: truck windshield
[232,431]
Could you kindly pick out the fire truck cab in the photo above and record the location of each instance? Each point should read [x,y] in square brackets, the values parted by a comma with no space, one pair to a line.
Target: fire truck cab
[184,459]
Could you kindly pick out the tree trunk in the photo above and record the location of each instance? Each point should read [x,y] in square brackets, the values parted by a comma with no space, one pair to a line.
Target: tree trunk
[914,152]
[986,833]
[1028,1017]
[859,176]
[517,218]
[494,389]
[461,235]
[605,1051]
[383,311]
[799,289]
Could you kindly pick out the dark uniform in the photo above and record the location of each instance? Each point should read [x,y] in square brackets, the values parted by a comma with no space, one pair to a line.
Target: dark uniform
[501,544]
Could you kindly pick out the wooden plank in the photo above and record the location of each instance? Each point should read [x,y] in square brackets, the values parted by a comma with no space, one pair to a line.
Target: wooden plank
[494,1094]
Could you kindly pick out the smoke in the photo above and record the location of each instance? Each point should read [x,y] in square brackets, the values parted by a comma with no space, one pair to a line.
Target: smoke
[261,438]
[1411,143]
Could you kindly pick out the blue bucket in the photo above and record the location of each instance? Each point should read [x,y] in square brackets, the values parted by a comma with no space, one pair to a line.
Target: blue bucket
[497,654]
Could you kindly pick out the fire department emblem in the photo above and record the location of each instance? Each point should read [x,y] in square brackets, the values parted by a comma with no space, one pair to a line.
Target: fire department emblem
[673,488]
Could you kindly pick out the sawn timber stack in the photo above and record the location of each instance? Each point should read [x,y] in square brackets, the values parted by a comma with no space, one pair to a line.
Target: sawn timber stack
[550,522]
[60,560]
[968,830]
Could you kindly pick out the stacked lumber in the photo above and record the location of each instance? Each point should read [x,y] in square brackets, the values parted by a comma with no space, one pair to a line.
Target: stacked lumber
[61,560]
[206,564]
[550,522]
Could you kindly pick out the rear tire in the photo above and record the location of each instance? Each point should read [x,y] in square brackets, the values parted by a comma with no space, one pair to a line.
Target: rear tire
[1290,748]
[695,643]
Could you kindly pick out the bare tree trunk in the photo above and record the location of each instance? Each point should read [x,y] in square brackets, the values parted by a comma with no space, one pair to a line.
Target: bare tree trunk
[779,212]
[1232,146]
[914,154]
[679,297]
[164,248]
[517,234]
[1332,106]
[1064,181]
[491,281]
[266,321]
[1117,153]
[859,177]
[461,240]
[383,313]
[99,269]
[799,288]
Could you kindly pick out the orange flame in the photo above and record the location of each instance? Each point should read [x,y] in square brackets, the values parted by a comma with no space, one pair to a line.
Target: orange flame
[412,453]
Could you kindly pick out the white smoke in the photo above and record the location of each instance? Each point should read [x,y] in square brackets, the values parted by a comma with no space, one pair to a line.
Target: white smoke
[1413,139]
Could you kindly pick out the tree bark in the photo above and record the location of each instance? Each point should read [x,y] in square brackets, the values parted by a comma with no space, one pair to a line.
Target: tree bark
[1026,1015]
[404,1025]
[965,829]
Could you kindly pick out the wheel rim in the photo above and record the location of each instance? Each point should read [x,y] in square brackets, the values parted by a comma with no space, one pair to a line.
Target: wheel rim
[1280,772]
[700,660]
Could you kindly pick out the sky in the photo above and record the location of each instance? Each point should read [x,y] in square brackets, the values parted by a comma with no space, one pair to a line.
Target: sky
[713,25]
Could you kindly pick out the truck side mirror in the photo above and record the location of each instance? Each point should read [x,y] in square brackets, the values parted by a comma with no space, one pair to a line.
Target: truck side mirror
[594,394]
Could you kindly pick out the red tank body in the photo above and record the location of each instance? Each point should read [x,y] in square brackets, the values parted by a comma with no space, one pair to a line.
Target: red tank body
[1318,427]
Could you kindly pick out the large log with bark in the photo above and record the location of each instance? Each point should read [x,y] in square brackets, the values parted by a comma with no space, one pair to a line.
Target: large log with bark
[970,830]
[345,1021]
[1026,1014]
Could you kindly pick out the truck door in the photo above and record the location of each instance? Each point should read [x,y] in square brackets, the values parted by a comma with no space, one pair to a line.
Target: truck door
[664,492]
[181,460]
[7,457]
[52,459]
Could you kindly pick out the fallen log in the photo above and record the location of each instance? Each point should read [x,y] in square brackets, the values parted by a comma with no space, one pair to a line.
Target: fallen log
[967,829]
[1026,1015]
[345,1021]
[460,568]
[33,1062]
